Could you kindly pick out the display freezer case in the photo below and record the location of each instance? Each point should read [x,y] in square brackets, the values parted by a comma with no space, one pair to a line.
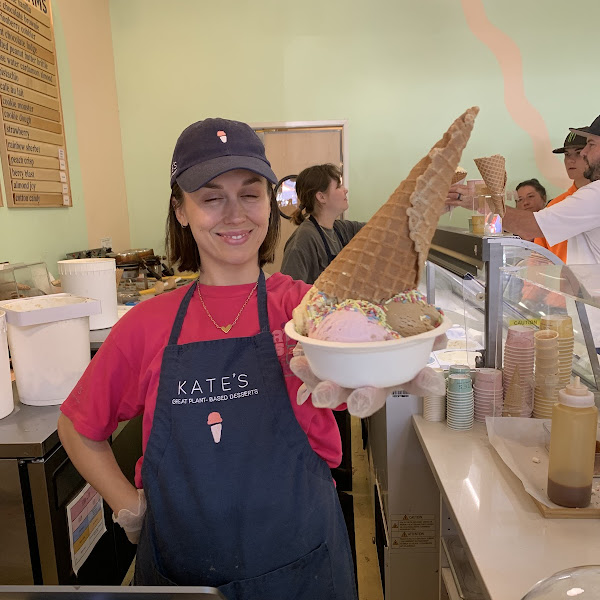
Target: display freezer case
[484,284]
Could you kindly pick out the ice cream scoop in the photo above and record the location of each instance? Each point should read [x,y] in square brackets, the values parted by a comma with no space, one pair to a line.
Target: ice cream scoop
[349,323]
[409,314]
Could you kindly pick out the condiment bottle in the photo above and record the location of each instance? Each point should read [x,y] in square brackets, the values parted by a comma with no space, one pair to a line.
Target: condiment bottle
[572,446]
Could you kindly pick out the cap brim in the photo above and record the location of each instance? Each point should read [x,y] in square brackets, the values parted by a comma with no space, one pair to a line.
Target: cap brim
[584,131]
[565,148]
[195,177]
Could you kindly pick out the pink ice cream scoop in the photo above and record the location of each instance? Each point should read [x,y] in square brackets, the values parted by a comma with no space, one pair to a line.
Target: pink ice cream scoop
[215,421]
[350,326]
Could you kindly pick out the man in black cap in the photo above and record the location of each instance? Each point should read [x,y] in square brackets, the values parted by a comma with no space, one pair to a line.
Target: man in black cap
[575,167]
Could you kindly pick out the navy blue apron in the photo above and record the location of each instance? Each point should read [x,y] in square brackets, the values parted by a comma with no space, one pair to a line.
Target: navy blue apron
[330,256]
[237,498]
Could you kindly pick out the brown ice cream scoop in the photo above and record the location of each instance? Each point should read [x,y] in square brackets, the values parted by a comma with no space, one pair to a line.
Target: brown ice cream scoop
[408,318]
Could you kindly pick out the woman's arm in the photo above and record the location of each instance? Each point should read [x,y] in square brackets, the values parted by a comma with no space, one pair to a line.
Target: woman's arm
[96,463]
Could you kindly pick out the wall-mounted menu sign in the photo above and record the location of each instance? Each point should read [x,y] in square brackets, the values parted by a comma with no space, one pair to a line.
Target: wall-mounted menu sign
[33,153]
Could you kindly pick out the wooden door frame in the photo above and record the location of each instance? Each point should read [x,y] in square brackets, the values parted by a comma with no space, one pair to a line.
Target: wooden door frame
[287,125]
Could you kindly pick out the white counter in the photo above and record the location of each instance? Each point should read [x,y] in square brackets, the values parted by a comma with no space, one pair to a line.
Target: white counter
[510,544]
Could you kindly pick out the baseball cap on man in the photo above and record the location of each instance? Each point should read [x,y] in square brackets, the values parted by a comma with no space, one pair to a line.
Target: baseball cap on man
[571,141]
[593,129]
[209,148]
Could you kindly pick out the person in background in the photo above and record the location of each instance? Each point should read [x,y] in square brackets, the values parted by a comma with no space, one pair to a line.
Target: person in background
[319,237]
[233,489]
[575,167]
[321,234]
[531,195]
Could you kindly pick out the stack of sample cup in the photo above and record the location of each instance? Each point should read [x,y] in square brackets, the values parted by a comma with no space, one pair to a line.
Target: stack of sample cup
[563,325]
[459,370]
[434,407]
[517,377]
[459,401]
[546,373]
[487,394]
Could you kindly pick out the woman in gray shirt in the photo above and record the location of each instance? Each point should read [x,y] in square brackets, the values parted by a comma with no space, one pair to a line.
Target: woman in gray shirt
[320,234]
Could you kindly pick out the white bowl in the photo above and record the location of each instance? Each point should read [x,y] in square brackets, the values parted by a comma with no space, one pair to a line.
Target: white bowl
[378,364]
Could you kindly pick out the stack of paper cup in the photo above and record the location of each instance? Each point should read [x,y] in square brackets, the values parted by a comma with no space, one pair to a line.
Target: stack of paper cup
[434,407]
[6,396]
[546,373]
[517,377]
[563,325]
[487,394]
[459,401]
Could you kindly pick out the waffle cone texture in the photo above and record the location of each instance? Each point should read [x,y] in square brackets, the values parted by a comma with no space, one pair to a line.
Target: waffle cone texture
[387,256]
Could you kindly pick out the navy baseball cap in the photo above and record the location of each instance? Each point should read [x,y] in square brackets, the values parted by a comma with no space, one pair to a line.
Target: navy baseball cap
[593,129]
[209,148]
[571,141]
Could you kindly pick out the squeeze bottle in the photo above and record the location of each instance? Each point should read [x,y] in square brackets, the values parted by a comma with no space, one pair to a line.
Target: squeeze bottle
[572,446]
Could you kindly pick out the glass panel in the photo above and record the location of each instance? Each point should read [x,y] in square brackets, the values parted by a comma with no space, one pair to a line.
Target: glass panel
[462,300]
[580,282]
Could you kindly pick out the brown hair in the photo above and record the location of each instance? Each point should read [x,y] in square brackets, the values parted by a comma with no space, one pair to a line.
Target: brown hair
[181,245]
[311,181]
[536,185]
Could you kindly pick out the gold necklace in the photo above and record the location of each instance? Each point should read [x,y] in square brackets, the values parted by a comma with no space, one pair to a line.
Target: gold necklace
[226,328]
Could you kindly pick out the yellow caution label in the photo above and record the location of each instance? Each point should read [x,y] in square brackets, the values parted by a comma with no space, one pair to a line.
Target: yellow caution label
[530,322]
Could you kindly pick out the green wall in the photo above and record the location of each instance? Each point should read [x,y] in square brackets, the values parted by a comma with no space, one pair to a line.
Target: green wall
[399,71]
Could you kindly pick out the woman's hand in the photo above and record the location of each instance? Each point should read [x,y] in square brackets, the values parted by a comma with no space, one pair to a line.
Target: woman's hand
[131,519]
[361,402]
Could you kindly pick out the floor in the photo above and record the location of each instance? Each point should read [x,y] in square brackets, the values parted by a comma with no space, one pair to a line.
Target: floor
[369,580]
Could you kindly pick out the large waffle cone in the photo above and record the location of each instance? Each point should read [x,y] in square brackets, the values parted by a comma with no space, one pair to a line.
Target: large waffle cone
[387,255]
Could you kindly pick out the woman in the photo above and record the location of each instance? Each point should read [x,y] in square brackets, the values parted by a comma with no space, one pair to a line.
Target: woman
[237,492]
[531,195]
[320,234]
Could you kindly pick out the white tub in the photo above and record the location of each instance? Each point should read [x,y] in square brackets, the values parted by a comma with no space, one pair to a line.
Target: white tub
[49,340]
[92,278]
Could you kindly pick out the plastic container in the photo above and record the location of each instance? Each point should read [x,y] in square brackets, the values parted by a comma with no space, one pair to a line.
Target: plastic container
[379,364]
[6,396]
[582,583]
[49,341]
[572,446]
[92,278]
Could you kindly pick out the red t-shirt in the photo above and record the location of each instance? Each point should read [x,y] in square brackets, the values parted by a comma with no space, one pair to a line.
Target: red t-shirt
[121,381]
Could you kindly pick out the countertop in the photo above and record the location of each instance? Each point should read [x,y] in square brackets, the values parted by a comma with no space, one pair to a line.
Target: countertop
[29,431]
[510,544]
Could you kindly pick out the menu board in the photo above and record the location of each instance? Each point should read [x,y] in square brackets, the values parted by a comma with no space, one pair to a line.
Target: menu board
[32,149]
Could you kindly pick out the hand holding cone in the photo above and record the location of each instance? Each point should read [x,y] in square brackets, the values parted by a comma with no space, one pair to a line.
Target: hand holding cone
[493,173]
[387,256]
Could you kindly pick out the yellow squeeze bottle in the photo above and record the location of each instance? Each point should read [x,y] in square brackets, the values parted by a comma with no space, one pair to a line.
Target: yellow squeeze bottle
[572,446]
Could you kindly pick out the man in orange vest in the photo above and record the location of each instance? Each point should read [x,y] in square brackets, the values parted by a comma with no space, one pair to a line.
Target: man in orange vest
[575,166]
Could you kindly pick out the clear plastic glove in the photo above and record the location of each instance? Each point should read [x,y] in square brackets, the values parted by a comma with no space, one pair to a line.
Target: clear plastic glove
[131,522]
[361,402]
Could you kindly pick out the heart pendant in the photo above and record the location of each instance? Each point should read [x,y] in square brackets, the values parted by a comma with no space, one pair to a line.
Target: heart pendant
[226,328]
